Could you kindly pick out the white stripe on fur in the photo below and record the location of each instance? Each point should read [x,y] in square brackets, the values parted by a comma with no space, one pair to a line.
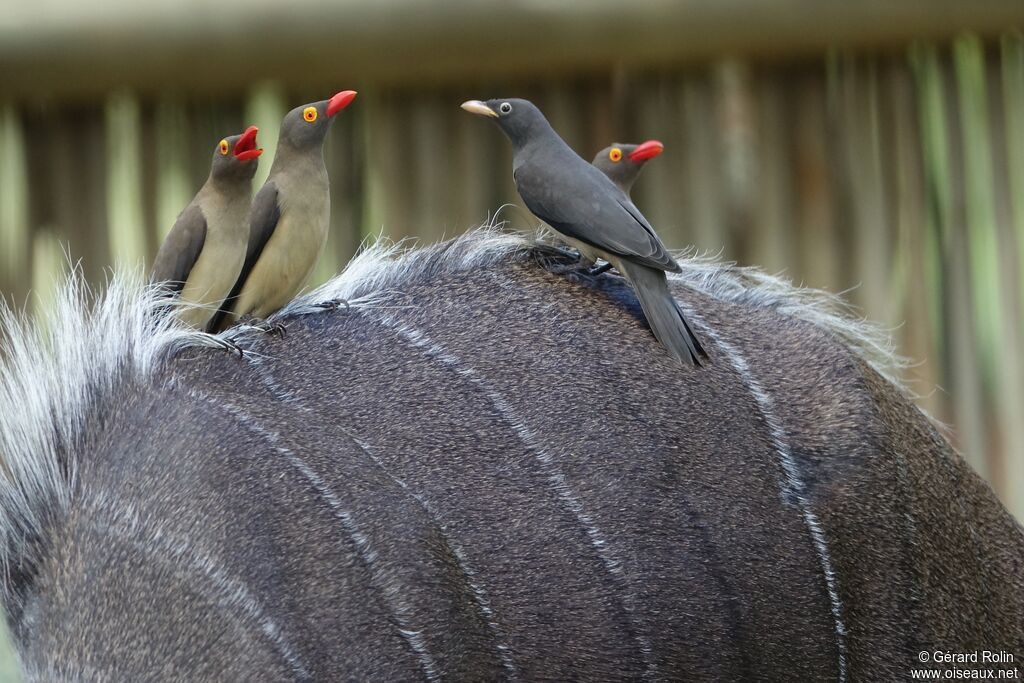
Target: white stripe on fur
[390,594]
[536,446]
[792,485]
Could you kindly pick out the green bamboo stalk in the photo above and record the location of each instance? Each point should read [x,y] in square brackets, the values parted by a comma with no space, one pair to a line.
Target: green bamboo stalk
[932,125]
[945,245]
[969,60]
[1011,373]
[909,280]
[1013,102]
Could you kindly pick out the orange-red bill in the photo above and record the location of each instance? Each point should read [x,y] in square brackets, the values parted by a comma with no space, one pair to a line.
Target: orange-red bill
[245,147]
[646,150]
[340,101]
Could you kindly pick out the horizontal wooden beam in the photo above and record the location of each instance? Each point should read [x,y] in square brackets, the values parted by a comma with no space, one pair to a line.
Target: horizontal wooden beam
[67,48]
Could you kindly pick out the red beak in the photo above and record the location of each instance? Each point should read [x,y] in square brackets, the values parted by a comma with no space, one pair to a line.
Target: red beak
[646,150]
[339,102]
[245,147]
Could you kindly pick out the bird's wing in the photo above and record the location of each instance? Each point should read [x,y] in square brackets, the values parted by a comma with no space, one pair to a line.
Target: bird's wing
[263,217]
[180,251]
[595,213]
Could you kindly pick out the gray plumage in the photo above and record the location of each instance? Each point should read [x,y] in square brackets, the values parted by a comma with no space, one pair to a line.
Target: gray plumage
[586,208]
[203,253]
[290,216]
[432,485]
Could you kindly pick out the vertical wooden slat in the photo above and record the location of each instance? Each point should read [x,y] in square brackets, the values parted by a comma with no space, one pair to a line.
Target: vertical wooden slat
[866,184]
[76,158]
[174,187]
[389,203]
[265,106]
[662,188]
[428,160]
[1009,364]
[703,188]
[734,114]
[345,155]
[14,188]
[772,242]
[819,251]
[124,180]
[48,264]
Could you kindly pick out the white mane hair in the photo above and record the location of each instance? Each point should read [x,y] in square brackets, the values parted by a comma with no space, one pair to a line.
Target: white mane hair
[54,367]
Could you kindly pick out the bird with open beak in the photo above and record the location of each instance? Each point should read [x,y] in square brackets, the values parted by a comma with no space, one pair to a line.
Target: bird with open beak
[290,216]
[623,163]
[202,255]
[593,214]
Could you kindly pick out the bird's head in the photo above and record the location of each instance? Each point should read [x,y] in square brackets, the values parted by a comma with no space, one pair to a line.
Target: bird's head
[519,119]
[306,126]
[235,157]
[623,163]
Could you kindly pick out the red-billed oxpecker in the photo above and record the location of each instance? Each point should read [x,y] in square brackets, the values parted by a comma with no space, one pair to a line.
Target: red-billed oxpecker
[593,214]
[203,253]
[290,215]
[623,163]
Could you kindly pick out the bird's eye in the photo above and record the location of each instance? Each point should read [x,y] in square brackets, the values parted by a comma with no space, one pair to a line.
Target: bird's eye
[505,108]
[223,147]
[615,154]
[309,113]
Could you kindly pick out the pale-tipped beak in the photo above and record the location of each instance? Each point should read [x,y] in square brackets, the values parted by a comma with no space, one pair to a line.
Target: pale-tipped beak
[646,150]
[339,102]
[245,147]
[479,108]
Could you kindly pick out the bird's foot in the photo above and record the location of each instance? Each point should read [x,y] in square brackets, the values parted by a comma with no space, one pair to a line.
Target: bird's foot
[597,270]
[334,304]
[569,254]
[228,345]
[276,328]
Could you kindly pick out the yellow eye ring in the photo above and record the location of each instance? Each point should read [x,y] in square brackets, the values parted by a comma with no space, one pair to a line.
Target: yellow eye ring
[615,154]
[223,147]
[309,113]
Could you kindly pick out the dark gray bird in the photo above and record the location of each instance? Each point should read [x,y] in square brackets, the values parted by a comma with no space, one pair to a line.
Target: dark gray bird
[623,163]
[203,253]
[591,213]
[289,217]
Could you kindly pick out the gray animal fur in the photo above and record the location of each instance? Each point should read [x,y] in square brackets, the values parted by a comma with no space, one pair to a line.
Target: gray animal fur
[484,469]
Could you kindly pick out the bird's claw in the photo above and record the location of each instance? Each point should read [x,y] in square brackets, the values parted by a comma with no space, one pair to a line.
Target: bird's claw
[597,270]
[275,328]
[334,304]
[228,345]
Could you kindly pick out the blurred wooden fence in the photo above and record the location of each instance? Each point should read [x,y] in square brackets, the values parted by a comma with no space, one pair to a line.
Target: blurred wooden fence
[897,176]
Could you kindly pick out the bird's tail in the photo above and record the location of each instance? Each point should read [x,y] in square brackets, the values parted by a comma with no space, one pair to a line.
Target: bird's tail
[662,311]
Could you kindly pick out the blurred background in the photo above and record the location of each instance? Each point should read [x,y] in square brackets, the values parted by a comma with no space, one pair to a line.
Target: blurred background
[870,147]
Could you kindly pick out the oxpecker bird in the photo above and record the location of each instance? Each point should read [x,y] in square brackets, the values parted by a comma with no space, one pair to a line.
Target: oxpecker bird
[290,215]
[623,163]
[593,214]
[203,253]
